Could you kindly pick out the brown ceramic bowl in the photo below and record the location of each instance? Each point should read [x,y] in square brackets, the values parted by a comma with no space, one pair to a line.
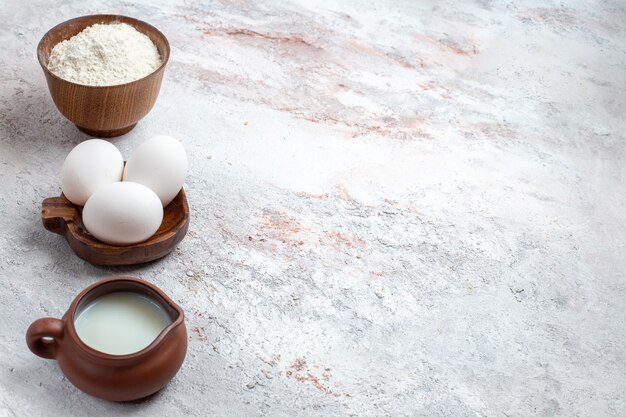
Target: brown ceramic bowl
[110,110]
[112,377]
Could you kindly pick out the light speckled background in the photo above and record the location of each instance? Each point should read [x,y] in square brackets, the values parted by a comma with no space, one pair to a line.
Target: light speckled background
[398,208]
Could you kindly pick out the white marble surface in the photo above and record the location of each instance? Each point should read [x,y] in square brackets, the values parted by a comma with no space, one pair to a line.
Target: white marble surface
[398,208]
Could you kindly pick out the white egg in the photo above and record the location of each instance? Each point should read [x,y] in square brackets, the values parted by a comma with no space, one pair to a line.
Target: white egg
[90,165]
[123,213]
[160,164]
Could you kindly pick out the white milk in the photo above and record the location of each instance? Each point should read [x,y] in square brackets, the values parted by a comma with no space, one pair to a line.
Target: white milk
[120,323]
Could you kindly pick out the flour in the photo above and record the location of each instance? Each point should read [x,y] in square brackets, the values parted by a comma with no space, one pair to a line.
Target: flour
[105,54]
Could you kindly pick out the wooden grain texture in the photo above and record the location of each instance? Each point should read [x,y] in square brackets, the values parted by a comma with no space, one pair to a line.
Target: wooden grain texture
[61,216]
[103,111]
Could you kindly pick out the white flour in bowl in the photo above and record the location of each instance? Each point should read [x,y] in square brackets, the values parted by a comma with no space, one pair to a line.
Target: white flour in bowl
[105,54]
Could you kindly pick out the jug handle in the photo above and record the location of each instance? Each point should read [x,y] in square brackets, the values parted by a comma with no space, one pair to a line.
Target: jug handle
[42,337]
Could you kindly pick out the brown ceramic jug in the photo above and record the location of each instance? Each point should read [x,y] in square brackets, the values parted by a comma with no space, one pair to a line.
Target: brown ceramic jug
[113,377]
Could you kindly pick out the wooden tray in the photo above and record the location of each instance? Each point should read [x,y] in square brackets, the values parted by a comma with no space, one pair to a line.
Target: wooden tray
[61,216]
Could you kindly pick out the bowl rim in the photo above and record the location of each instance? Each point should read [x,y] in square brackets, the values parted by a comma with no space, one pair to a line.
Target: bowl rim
[122,359]
[116,16]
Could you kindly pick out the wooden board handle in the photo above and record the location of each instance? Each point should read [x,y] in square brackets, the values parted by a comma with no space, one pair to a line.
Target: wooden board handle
[57,213]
